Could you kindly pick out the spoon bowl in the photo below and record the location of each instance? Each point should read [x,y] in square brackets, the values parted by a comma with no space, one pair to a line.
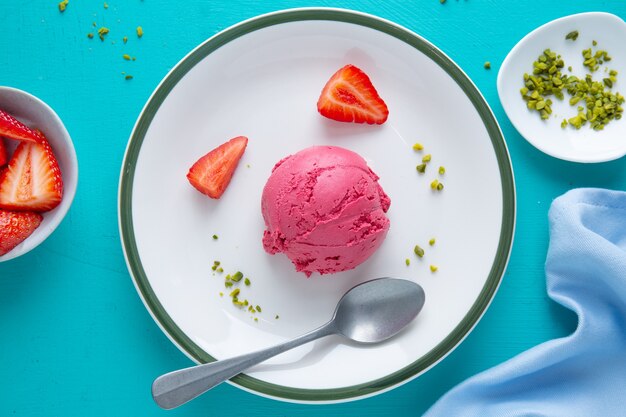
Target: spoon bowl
[583,145]
[368,313]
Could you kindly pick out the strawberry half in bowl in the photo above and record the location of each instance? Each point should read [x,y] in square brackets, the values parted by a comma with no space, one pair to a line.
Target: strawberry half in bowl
[38,172]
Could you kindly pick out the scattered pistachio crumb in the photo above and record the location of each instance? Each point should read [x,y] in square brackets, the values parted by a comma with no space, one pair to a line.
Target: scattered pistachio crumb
[221,294]
[106,6]
[258,308]
[102,32]
[418,251]
[442,1]
[439,187]
[220,269]
[129,77]
[594,43]
[228,284]
[433,268]
[215,237]
[573,35]
[407,261]
[237,276]
[487,65]
[421,168]
[442,170]
[569,68]
[247,165]
[256,319]
[90,35]
[139,31]
[235,293]
[214,267]
[418,146]
[564,124]
[277,317]
[63,5]
[247,282]
[434,184]
[431,242]
[125,39]
[126,57]
[427,158]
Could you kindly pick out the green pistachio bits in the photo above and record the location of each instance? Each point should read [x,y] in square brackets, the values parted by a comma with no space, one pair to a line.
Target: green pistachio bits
[407,261]
[573,35]
[418,251]
[421,168]
[487,65]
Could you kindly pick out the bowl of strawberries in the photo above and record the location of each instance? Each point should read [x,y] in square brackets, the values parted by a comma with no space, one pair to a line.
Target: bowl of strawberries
[38,172]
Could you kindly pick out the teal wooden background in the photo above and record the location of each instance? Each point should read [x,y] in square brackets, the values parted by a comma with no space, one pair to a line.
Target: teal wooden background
[75,337]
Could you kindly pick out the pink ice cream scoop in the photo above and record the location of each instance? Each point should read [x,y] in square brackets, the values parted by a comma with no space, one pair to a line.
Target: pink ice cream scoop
[324,209]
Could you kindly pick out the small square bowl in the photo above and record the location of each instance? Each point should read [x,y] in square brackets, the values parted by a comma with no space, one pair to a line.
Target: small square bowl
[38,115]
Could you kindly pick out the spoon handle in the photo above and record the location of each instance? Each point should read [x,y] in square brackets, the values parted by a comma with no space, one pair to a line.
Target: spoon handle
[176,388]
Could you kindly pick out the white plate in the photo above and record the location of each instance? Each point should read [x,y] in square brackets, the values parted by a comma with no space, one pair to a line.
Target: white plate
[262,78]
[585,144]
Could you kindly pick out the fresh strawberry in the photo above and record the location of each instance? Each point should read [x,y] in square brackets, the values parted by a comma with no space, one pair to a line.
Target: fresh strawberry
[4,158]
[15,227]
[349,96]
[212,173]
[32,180]
[12,128]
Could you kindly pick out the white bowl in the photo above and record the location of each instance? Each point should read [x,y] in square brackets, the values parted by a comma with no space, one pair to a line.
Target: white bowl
[37,114]
[585,144]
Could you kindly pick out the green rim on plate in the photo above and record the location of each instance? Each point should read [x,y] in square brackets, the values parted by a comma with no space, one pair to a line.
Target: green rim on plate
[499,146]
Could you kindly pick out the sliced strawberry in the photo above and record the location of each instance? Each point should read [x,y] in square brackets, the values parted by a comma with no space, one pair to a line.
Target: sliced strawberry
[212,173]
[32,180]
[12,128]
[349,96]
[15,227]
[4,157]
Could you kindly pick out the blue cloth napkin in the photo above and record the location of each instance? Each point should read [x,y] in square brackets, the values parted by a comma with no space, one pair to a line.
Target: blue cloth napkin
[583,374]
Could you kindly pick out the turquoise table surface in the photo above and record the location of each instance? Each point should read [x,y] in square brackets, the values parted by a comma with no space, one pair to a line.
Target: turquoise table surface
[76,338]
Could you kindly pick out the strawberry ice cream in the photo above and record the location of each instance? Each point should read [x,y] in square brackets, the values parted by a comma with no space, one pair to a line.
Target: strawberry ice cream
[324,209]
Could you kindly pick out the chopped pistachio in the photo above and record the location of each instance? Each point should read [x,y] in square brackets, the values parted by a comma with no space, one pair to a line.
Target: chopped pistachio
[277,317]
[63,5]
[90,35]
[407,261]
[139,31]
[214,267]
[439,187]
[237,276]
[418,251]
[434,184]
[102,32]
[215,237]
[487,65]
[431,242]
[564,124]
[125,39]
[418,146]
[573,35]
[442,170]
[220,269]
[258,308]
[256,319]
[247,282]
[221,294]
[427,158]
[235,293]
[433,268]
[421,168]
[106,6]
[128,77]
[126,57]
[594,43]
[228,284]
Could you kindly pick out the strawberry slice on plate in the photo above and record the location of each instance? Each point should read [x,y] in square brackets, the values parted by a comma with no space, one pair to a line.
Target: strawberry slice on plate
[12,128]
[212,173]
[4,157]
[15,227]
[32,180]
[350,96]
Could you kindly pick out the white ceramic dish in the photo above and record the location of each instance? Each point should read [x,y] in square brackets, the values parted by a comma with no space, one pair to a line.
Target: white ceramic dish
[38,115]
[262,78]
[585,144]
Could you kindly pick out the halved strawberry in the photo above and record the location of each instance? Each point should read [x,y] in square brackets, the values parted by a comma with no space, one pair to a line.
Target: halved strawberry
[212,173]
[12,128]
[350,96]
[4,157]
[15,227]
[32,180]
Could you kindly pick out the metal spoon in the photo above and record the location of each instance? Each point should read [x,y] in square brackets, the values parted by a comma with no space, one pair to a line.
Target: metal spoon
[368,313]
